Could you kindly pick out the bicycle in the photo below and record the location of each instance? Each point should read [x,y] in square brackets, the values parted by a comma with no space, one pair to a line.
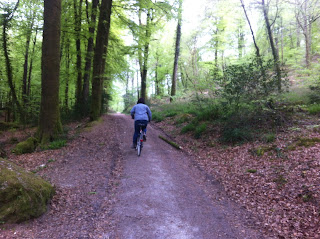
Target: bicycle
[140,139]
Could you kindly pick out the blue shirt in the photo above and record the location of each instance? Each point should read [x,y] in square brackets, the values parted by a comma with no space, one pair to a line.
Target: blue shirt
[141,112]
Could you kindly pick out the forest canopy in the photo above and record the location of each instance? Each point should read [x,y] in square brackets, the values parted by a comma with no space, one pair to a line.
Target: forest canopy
[231,50]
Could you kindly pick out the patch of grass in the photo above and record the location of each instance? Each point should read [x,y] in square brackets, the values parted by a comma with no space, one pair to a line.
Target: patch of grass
[157,116]
[251,170]
[314,109]
[183,118]
[235,135]
[307,142]
[188,128]
[269,138]
[170,113]
[57,144]
[199,130]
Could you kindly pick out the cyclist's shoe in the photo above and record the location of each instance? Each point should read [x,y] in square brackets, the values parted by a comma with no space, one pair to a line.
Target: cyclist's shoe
[133,146]
[144,137]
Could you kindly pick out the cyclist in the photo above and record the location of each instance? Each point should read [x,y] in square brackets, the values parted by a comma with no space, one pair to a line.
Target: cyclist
[141,114]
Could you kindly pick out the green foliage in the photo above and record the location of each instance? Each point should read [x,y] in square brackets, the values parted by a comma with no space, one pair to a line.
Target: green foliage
[188,128]
[199,130]
[157,116]
[251,170]
[246,82]
[314,109]
[269,138]
[236,135]
[57,144]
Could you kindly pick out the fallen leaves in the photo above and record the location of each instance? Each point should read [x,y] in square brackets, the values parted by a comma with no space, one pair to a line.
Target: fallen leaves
[278,183]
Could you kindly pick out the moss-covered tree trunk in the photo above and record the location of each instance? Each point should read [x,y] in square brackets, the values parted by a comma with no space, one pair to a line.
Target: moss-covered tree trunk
[49,122]
[99,59]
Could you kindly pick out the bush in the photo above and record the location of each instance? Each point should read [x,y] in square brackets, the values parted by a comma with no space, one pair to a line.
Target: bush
[314,109]
[199,130]
[188,128]
[157,116]
[235,135]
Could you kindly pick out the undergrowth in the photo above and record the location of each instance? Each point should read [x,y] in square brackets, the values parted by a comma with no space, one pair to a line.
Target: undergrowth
[238,123]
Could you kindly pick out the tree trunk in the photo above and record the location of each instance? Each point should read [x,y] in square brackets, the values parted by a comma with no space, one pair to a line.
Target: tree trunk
[25,65]
[6,20]
[31,64]
[66,90]
[49,122]
[273,48]
[89,56]
[77,25]
[254,41]
[99,59]
[177,53]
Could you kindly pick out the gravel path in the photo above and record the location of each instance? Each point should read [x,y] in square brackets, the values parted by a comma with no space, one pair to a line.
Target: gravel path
[162,195]
[104,190]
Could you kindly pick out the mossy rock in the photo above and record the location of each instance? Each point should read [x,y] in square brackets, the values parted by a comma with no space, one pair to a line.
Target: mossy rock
[23,195]
[27,146]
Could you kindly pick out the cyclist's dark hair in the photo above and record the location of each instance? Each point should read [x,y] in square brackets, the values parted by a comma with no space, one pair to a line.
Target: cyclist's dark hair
[141,100]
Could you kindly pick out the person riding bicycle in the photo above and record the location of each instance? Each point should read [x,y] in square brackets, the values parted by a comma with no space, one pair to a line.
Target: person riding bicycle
[141,114]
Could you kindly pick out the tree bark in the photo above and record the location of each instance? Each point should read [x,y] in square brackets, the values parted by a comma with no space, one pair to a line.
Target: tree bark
[77,24]
[273,48]
[146,55]
[177,53]
[26,63]
[99,59]
[49,122]
[31,64]
[7,19]
[89,56]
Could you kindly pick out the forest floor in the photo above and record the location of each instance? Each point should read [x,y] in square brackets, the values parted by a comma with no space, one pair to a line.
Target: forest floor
[278,182]
[104,190]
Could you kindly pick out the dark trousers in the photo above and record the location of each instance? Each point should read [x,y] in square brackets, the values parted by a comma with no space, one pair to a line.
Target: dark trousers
[137,129]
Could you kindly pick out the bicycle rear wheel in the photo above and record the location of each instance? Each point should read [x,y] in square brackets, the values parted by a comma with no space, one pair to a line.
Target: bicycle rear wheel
[139,144]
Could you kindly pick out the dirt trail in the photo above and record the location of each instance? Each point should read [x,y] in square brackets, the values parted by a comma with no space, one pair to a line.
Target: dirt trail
[162,195]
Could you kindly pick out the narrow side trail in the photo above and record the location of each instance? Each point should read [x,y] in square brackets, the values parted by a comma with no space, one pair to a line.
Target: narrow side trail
[162,195]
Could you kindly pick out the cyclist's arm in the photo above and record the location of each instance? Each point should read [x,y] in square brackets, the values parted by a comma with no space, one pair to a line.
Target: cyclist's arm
[132,111]
[149,114]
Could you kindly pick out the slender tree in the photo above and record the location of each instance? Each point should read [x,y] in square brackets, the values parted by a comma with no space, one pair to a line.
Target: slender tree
[49,122]
[77,25]
[254,41]
[89,54]
[177,53]
[6,20]
[99,59]
[273,47]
